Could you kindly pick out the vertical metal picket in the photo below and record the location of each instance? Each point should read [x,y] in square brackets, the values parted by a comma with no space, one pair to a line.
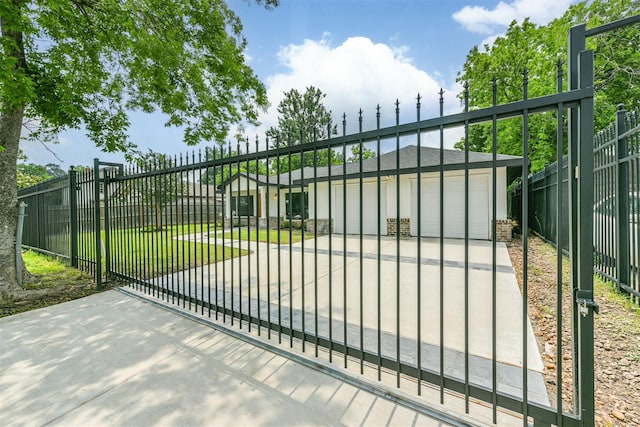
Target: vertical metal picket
[288,211]
[344,241]
[494,304]
[418,250]
[525,256]
[361,248]
[441,241]
[96,224]
[378,247]
[73,216]
[466,250]
[397,231]
[302,257]
[622,201]
[258,214]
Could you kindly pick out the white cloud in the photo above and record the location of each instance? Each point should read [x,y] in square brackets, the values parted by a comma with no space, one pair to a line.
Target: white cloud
[489,41]
[357,74]
[479,19]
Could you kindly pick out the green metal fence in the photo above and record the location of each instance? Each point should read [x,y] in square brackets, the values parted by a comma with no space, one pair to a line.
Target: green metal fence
[616,177]
[47,218]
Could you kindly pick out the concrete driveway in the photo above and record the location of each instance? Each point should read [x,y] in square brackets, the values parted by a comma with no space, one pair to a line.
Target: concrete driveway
[113,360]
[299,283]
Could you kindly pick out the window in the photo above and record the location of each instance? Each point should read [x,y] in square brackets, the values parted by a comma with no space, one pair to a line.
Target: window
[297,205]
[242,206]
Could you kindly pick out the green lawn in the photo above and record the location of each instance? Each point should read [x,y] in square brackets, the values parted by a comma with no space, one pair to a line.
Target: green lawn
[53,282]
[146,253]
[271,237]
[51,272]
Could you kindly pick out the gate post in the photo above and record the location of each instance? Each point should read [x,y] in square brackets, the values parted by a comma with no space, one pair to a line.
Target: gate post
[96,220]
[107,226]
[584,295]
[622,202]
[577,43]
[581,222]
[73,216]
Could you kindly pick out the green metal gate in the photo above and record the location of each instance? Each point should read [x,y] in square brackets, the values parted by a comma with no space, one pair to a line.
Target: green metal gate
[324,283]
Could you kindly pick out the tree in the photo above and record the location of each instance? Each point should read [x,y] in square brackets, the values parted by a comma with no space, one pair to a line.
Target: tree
[303,118]
[158,190]
[55,170]
[216,176]
[367,153]
[84,63]
[538,48]
[220,174]
[29,174]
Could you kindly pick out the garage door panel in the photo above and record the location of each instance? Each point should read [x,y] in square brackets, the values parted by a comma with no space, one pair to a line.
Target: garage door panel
[454,207]
[429,206]
[370,210]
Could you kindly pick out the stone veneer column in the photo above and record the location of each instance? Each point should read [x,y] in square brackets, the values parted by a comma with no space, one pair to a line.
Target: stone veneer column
[323,226]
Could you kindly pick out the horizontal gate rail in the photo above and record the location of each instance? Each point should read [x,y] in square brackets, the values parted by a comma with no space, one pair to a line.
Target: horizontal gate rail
[504,111]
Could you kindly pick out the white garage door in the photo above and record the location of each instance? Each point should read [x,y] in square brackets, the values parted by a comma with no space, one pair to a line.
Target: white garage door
[454,209]
[370,208]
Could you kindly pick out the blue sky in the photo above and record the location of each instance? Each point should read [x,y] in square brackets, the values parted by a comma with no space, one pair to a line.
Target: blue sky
[359,52]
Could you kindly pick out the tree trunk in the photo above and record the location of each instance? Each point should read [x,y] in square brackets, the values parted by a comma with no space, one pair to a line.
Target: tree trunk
[158,218]
[11,115]
[10,127]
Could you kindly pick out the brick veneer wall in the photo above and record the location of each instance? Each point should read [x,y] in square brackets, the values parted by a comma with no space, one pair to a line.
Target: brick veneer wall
[503,230]
[405,227]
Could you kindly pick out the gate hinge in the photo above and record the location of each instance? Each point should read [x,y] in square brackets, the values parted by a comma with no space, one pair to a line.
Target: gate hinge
[584,299]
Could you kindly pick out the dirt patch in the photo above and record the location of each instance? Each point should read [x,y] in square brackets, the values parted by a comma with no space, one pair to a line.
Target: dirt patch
[617,336]
[36,295]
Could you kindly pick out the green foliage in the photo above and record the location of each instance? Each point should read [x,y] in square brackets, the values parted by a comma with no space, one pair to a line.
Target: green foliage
[367,153]
[303,118]
[157,190]
[294,224]
[24,180]
[55,170]
[52,272]
[29,174]
[538,49]
[216,176]
[71,63]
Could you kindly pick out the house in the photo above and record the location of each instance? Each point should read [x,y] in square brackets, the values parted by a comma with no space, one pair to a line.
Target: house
[305,193]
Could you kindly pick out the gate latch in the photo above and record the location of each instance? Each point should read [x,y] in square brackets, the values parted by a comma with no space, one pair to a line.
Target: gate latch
[584,299]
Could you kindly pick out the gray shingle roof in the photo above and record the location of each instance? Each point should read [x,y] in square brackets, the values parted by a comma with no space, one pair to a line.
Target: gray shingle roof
[429,161]
[429,158]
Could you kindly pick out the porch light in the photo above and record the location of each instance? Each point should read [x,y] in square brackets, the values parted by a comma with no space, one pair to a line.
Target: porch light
[275,196]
